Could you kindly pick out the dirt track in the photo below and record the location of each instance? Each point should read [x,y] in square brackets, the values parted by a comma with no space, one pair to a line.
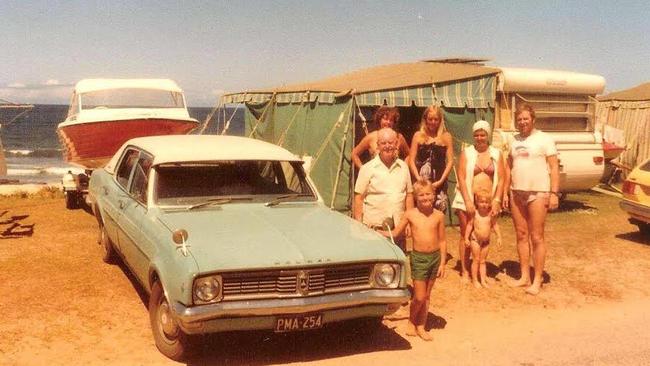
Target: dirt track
[62,305]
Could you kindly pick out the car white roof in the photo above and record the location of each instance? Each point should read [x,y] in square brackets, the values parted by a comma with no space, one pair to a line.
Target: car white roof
[201,148]
[89,85]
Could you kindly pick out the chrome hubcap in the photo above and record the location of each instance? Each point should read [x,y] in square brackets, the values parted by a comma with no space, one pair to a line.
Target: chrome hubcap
[167,323]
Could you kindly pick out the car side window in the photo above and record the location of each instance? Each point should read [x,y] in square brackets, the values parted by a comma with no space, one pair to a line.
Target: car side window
[141,178]
[125,167]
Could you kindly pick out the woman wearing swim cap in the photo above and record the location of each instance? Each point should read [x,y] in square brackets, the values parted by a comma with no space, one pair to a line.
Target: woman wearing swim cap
[480,167]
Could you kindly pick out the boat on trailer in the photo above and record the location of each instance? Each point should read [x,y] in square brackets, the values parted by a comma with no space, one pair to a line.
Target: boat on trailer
[105,113]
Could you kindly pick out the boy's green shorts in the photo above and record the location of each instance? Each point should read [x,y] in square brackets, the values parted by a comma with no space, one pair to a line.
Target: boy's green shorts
[424,265]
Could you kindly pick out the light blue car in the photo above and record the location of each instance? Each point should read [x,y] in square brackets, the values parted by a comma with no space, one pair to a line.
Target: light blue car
[228,233]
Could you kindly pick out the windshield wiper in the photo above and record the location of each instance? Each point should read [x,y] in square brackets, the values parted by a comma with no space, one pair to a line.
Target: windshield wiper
[218,201]
[279,199]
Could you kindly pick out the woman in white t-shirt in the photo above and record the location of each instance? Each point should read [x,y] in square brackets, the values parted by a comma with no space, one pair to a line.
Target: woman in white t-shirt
[532,174]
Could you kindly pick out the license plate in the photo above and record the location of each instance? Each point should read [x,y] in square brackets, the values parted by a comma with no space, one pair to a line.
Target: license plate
[293,323]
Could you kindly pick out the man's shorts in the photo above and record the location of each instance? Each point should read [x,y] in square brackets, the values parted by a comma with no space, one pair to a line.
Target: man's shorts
[424,265]
[523,198]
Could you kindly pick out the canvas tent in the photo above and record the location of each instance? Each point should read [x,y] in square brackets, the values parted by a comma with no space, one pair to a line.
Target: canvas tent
[324,119]
[629,110]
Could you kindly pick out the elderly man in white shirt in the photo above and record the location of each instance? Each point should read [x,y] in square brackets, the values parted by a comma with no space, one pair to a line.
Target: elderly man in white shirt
[383,188]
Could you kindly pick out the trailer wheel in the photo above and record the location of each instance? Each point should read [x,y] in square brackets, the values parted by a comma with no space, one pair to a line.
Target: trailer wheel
[71,200]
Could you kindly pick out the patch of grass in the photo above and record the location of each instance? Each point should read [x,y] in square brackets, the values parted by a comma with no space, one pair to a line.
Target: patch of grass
[45,192]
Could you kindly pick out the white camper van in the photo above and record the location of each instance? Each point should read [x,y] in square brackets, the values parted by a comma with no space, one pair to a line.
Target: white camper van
[565,108]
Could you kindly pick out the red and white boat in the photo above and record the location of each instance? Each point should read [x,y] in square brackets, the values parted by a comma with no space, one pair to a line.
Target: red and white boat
[105,113]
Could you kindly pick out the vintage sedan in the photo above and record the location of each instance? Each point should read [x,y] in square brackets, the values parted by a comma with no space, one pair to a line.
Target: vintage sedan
[636,197]
[228,233]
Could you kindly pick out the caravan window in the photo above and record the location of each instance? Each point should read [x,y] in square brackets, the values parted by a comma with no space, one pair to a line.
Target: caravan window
[561,112]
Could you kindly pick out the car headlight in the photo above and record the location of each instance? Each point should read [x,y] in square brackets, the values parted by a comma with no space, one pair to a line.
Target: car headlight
[207,289]
[386,275]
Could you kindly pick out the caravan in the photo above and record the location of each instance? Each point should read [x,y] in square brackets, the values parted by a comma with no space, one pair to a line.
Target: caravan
[565,108]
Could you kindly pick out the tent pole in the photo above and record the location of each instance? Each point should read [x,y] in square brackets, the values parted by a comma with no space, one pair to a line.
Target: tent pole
[280,141]
[210,115]
[344,140]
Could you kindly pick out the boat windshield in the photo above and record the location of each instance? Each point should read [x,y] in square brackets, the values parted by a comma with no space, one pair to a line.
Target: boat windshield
[131,98]
[188,184]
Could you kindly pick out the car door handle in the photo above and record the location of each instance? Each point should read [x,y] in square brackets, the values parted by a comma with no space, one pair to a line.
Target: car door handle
[105,190]
[121,204]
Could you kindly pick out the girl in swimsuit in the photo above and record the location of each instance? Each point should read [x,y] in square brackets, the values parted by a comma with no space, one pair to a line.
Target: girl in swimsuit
[480,167]
[432,154]
[477,236]
[385,117]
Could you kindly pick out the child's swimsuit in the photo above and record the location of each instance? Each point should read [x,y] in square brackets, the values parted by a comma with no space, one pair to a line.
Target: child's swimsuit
[482,222]
[424,265]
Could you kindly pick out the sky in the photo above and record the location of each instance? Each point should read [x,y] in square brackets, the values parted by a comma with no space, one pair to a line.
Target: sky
[212,47]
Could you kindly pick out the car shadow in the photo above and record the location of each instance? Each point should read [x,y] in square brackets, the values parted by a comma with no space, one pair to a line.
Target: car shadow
[512,269]
[265,348]
[635,236]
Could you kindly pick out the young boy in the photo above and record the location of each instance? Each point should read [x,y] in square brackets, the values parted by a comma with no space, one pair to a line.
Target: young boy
[477,237]
[428,256]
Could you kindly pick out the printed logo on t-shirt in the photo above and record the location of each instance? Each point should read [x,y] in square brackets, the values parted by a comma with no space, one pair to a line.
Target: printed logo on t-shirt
[522,151]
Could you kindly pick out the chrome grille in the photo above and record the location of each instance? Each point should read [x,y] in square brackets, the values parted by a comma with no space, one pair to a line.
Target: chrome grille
[284,283]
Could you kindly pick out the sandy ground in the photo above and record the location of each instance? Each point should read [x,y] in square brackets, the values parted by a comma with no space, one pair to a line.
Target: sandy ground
[62,305]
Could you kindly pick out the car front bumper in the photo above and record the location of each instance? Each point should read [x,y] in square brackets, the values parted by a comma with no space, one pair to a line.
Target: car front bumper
[636,210]
[262,314]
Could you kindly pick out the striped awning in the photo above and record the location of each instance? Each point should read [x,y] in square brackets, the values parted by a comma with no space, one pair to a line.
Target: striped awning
[477,92]
[281,98]
[471,93]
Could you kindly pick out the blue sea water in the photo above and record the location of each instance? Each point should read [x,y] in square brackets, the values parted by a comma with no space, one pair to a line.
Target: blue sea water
[32,149]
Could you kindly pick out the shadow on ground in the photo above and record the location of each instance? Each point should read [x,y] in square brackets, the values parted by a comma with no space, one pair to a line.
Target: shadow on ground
[635,236]
[435,322]
[13,226]
[512,269]
[264,348]
[492,269]
[567,205]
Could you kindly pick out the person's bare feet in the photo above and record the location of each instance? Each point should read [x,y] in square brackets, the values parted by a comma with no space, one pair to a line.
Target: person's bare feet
[519,283]
[464,279]
[485,284]
[477,284]
[422,333]
[410,330]
[533,289]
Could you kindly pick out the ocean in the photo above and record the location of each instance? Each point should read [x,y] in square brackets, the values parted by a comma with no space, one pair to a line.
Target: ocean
[32,149]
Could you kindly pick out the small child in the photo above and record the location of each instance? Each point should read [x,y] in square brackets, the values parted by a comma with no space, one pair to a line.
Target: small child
[428,256]
[477,237]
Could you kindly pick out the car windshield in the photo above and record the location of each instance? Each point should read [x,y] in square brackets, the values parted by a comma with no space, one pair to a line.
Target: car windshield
[185,184]
[131,98]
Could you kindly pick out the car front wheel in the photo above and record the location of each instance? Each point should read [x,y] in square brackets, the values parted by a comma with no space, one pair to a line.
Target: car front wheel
[169,337]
